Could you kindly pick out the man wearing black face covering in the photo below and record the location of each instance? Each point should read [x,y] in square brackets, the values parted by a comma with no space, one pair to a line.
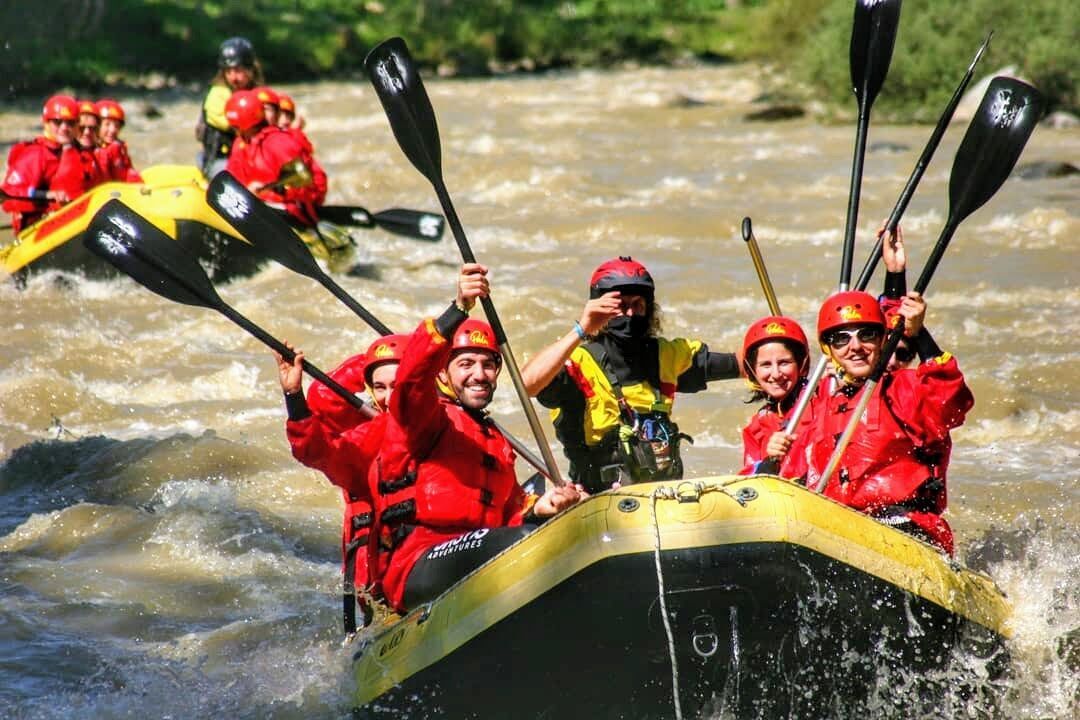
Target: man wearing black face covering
[611,382]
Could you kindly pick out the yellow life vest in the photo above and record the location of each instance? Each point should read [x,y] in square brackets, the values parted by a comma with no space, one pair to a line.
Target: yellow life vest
[601,402]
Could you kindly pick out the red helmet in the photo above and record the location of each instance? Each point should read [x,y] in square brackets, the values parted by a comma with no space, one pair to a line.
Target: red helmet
[286,104]
[475,335]
[88,107]
[329,406]
[244,110]
[267,96]
[386,349]
[622,272]
[110,110]
[770,329]
[852,307]
[60,107]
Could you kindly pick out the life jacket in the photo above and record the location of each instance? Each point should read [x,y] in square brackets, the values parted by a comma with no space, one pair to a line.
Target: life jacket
[625,432]
[466,481]
[894,467]
[216,137]
[116,163]
[77,172]
[31,165]
[261,159]
[769,419]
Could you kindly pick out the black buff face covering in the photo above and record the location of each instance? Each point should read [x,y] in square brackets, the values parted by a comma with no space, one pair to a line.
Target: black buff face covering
[625,328]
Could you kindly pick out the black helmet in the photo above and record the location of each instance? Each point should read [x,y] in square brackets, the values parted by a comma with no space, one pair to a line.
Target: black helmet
[236,52]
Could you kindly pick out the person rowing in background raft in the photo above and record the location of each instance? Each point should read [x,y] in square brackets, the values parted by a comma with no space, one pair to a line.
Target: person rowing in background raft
[445,491]
[112,152]
[288,117]
[894,467]
[330,435]
[611,382]
[238,69]
[271,162]
[776,358]
[47,170]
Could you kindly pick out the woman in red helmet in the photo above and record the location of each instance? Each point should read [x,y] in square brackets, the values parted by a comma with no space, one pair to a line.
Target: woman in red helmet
[445,492]
[271,162]
[776,361]
[46,172]
[238,69]
[895,464]
[330,435]
[112,153]
[611,382]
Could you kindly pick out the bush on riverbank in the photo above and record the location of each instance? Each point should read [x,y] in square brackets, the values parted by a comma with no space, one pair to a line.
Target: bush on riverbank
[89,43]
[934,46]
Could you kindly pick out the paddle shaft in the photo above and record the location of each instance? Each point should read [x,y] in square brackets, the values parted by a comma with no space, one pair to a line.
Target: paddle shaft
[920,167]
[500,335]
[759,266]
[260,334]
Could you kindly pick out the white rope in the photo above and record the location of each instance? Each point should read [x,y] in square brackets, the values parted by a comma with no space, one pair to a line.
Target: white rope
[663,606]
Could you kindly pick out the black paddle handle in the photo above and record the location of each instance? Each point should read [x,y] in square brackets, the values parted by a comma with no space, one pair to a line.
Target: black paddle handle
[283,350]
[854,193]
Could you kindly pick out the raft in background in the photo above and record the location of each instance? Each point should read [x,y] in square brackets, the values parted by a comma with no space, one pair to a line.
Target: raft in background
[173,198]
[780,603]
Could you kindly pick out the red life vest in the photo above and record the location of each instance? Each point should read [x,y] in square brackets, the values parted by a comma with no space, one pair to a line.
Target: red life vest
[31,165]
[116,163]
[441,471]
[896,461]
[465,482]
[260,159]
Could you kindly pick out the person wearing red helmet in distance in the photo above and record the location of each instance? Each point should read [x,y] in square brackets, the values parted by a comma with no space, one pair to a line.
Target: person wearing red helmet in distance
[287,115]
[776,359]
[271,162]
[895,464]
[611,382]
[47,171]
[330,435]
[445,491]
[112,153]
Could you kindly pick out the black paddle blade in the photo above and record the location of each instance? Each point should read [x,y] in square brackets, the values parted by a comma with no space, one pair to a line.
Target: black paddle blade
[139,249]
[1001,127]
[873,35]
[411,223]
[260,225]
[392,72]
[347,215]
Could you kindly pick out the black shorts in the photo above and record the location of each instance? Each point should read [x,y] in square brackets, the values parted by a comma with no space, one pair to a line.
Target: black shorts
[449,561]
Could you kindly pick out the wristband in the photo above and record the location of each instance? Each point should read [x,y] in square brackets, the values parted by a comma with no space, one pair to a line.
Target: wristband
[580,331]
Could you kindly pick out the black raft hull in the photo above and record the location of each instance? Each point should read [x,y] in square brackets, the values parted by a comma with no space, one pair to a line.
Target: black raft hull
[786,605]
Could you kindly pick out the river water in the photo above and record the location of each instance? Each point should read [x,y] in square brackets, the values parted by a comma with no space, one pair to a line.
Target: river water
[162,555]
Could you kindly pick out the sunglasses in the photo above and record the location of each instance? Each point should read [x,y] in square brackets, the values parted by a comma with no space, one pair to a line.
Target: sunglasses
[84,128]
[839,339]
[69,123]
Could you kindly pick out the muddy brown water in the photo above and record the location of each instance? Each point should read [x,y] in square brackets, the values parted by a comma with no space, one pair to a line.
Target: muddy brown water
[159,548]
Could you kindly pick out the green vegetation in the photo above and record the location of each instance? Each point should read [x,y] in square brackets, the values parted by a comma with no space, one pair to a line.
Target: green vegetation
[89,43]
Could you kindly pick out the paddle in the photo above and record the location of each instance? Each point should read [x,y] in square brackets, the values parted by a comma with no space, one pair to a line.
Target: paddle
[268,232]
[4,196]
[920,167]
[759,266]
[398,85]
[1001,127]
[136,247]
[415,224]
[399,221]
[873,35]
